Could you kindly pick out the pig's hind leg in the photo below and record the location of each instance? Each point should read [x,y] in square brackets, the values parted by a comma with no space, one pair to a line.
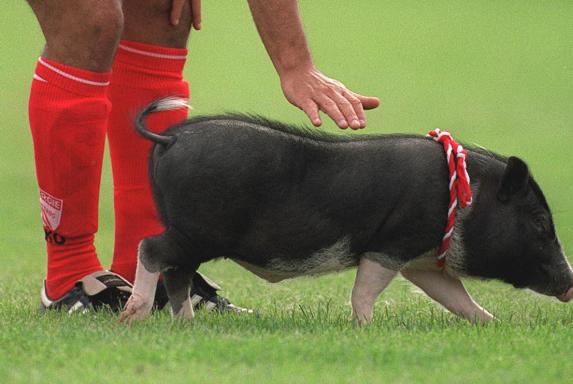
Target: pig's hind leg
[156,254]
[178,284]
[146,276]
[449,292]
[371,279]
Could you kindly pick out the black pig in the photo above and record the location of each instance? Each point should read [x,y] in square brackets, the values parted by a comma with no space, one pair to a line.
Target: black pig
[284,201]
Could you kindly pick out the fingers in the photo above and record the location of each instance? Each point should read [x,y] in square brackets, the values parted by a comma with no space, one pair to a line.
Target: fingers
[348,110]
[176,9]
[332,109]
[196,13]
[352,109]
[311,110]
[368,102]
[311,91]
[352,106]
[345,107]
[358,108]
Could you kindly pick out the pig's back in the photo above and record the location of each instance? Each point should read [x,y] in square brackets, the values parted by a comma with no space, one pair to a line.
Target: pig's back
[257,192]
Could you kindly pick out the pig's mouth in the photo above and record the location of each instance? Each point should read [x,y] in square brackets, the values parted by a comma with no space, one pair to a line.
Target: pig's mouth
[567,296]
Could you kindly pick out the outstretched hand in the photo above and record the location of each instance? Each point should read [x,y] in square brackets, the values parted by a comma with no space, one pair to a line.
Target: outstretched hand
[177,9]
[312,92]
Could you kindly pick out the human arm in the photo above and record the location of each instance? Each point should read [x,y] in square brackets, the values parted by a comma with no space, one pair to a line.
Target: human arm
[280,28]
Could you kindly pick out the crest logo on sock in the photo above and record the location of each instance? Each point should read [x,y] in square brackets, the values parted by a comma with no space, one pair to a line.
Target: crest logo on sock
[51,210]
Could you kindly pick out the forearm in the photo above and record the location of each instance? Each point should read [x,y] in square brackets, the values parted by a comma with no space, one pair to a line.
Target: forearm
[280,28]
[304,86]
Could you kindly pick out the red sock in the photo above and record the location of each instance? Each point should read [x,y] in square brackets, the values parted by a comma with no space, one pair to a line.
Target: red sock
[68,113]
[142,73]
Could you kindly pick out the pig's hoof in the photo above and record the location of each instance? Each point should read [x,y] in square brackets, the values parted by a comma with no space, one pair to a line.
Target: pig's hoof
[136,309]
[483,318]
[186,313]
[362,320]
[183,316]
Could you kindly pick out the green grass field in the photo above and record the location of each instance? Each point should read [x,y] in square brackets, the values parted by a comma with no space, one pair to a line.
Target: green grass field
[499,74]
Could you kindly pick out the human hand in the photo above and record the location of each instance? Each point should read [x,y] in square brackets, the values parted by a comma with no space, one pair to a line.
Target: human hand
[311,91]
[177,9]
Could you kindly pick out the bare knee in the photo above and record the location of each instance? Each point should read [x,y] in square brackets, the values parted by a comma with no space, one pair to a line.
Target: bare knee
[81,33]
[148,21]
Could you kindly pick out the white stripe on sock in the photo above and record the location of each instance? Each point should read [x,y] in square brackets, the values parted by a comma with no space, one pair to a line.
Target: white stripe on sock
[72,77]
[152,54]
[39,78]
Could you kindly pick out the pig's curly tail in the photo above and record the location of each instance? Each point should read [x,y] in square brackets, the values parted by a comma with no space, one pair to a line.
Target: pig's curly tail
[165,104]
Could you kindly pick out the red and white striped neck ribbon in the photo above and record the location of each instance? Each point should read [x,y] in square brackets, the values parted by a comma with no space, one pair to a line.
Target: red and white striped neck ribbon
[459,185]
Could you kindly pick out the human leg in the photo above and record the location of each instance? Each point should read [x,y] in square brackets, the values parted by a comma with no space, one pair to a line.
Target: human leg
[148,66]
[68,113]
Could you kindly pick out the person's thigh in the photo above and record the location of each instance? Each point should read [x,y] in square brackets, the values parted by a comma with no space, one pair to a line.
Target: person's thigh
[147,21]
[80,33]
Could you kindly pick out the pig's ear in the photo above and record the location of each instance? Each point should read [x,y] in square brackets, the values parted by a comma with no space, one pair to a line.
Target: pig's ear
[514,180]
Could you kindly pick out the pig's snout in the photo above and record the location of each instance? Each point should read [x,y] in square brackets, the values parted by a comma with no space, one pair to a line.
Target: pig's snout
[567,296]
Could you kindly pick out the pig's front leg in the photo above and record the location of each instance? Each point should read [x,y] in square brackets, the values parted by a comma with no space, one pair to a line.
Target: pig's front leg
[448,291]
[141,300]
[371,279]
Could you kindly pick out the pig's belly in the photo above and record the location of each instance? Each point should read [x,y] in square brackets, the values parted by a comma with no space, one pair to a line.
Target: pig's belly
[335,258]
